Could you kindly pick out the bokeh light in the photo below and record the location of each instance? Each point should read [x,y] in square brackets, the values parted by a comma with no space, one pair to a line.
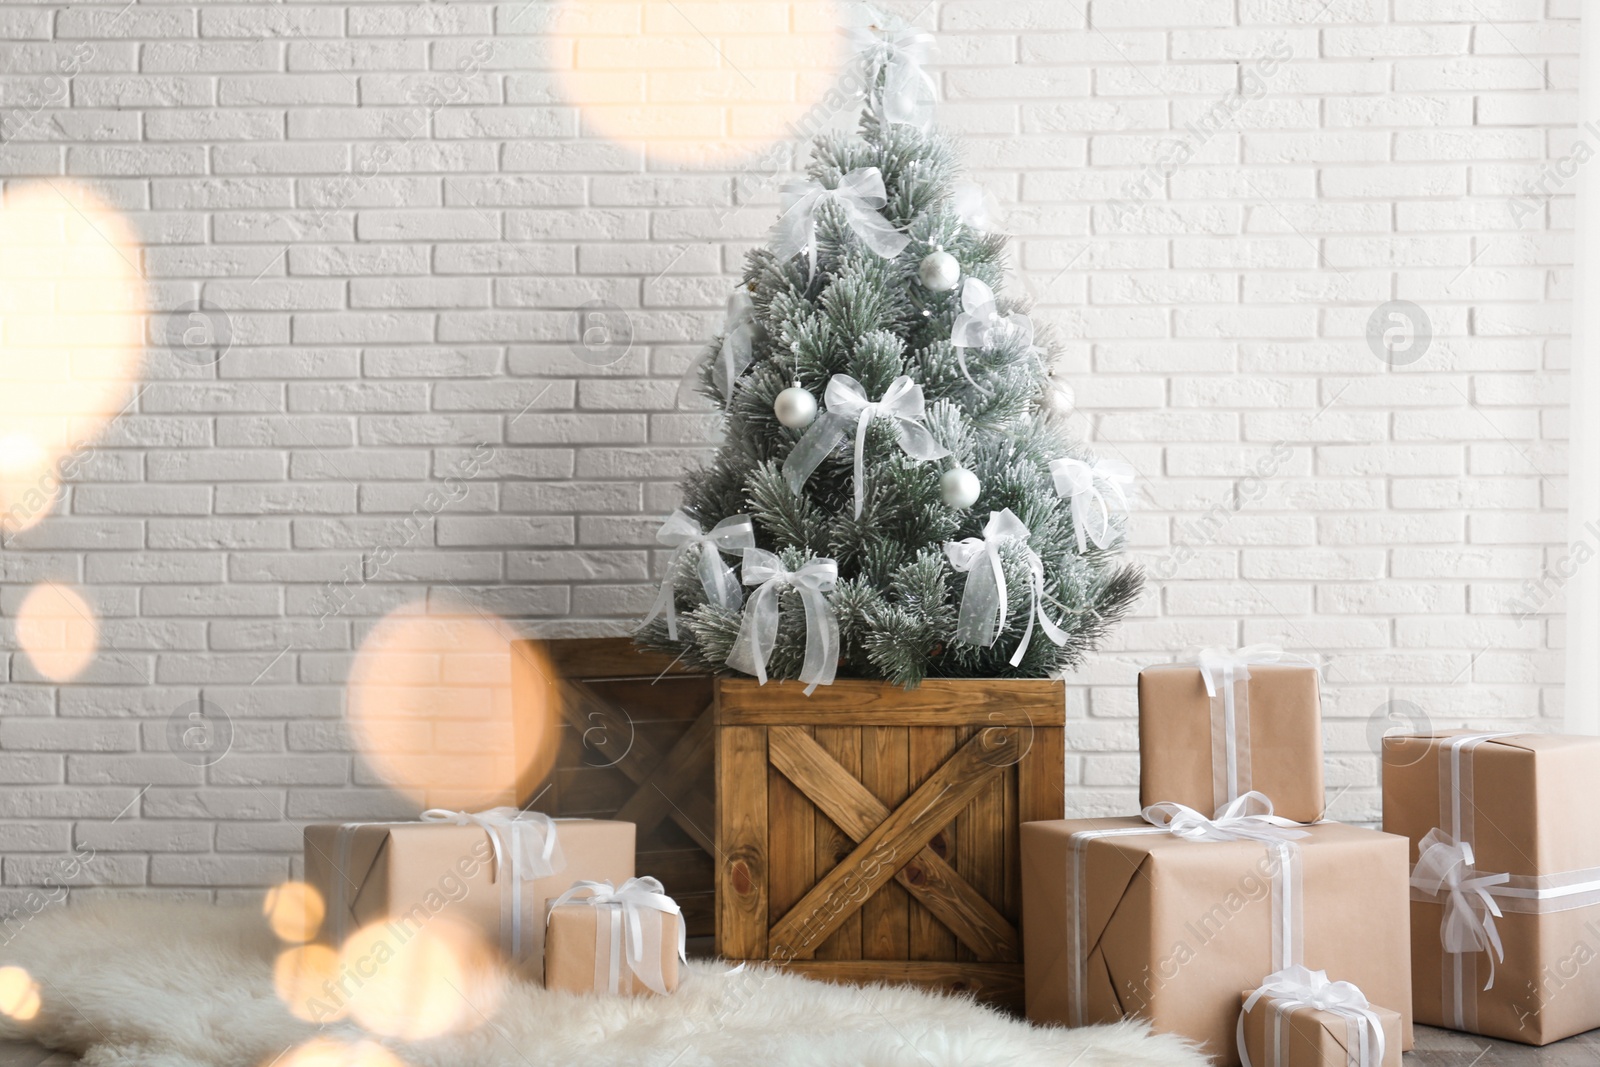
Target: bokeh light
[699,79]
[304,978]
[332,1052]
[442,978]
[72,308]
[295,911]
[58,631]
[431,711]
[19,994]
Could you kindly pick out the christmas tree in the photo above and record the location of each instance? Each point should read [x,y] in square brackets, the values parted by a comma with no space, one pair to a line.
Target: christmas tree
[933,518]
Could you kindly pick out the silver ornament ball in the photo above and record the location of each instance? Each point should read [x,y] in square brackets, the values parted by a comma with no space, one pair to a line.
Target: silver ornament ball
[939,271]
[1060,398]
[795,407]
[959,487]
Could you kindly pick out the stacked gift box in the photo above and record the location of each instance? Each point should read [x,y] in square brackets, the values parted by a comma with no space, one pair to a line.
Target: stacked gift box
[1232,913]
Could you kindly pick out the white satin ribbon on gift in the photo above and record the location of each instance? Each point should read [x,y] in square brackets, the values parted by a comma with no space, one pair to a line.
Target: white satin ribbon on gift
[684,534]
[985,600]
[909,93]
[849,411]
[526,848]
[758,632]
[1249,819]
[1226,674]
[1298,986]
[980,324]
[1086,486]
[737,351]
[635,913]
[860,193]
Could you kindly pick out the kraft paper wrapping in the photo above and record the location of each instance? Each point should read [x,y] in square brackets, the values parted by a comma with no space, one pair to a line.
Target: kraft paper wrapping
[412,872]
[1173,929]
[1314,1038]
[1530,815]
[577,950]
[1279,742]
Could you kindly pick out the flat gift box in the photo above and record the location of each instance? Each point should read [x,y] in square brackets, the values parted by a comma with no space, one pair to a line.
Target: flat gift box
[578,959]
[1528,813]
[1313,1038]
[1172,929]
[1279,742]
[412,872]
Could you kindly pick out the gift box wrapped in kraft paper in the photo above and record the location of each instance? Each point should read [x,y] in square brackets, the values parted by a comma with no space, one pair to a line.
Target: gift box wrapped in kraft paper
[1170,916]
[1231,723]
[1505,894]
[622,941]
[1298,1018]
[494,871]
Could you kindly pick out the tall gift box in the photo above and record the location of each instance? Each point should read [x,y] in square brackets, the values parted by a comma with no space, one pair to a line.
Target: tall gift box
[1505,912]
[1233,722]
[493,871]
[626,940]
[1122,918]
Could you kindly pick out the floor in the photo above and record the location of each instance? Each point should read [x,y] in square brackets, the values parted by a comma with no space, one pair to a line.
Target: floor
[1435,1048]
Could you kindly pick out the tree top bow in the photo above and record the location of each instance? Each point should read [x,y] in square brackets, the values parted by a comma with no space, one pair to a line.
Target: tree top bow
[860,194]
[909,93]
[849,409]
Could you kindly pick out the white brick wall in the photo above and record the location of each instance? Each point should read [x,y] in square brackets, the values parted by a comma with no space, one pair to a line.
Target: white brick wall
[1297,488]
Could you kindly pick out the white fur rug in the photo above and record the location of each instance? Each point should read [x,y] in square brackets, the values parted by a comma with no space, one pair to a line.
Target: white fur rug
[159,985]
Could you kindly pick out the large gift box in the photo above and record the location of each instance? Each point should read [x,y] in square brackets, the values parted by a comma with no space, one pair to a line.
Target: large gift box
[1122,918]
[493,871]
[1505,912]
[1232,723]
[625,940]
[1301,1019]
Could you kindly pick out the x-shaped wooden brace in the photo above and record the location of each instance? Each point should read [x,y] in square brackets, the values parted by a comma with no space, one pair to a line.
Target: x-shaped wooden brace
[890,845]
[664,783]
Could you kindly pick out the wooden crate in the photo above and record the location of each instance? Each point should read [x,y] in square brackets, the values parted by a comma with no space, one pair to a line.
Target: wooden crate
[867,833]
[633,741]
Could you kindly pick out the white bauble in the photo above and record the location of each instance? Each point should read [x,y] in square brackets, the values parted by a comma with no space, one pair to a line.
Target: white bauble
[939,271]
[795,407]
[1059,398]
[959,488]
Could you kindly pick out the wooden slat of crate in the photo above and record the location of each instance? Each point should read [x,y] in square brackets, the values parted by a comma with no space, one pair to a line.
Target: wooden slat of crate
[906,804]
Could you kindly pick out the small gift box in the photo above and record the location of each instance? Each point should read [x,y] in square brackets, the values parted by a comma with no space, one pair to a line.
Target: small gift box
[1505,894]
[626,940]
[1167,917]
[493,871]
[1233,723]
[1297,1018]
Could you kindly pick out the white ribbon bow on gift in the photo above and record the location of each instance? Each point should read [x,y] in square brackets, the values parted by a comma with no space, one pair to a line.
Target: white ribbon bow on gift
[849,409]
[1300,987]
[980,324]
[523,841]
[1445,868]
[628,906]
[758,633]
[1246,818]
[1082,484]
[683,534]
[909,93]
[736,354]
[860,193]
[985,598]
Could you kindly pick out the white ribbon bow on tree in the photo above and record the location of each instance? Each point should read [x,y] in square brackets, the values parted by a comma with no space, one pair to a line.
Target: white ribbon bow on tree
[1445,869]
[1246,818]
[758,632]
[984,600]
[909,93]
[980,324]
[860,193]
[736,354]
[975,206]
[526,840]
[1298,986]
[1087,485]
[683,534]
[849,409]
[637,909]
